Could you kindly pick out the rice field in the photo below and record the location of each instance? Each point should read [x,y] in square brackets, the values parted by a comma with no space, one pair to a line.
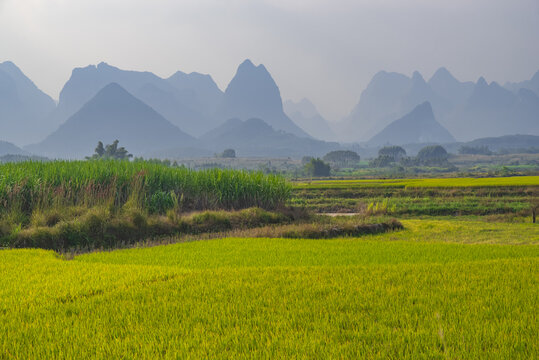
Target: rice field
[421,197]
[513,181]
[441,289]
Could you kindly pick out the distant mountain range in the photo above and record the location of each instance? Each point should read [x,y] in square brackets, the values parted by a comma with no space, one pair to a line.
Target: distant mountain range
[468,110]
[154,115]
[507,142]
[193,102]
[417,127]
[183,99]
[532,84]
[254,137]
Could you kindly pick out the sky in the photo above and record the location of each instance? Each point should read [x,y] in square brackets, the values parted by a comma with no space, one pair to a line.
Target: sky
[324,50]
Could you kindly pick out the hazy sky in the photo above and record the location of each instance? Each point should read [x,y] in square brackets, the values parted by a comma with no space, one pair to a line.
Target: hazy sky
[325,50]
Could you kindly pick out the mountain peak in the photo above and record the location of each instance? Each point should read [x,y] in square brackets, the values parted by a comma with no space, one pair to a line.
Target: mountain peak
[442,71]
[103,65]
[442,74]
[482,82]
[13,70]
[253,93]
[423,109]
[417,77]
[113,87]
[113,113]
[418,126]
[9,64]
[247,66]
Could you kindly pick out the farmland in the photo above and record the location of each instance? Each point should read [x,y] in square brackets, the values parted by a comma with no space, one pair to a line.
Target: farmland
[420,197]
[516,181]
[249,270]
[414,293]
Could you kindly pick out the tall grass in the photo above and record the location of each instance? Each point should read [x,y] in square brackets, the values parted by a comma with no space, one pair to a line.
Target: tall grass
[25,187]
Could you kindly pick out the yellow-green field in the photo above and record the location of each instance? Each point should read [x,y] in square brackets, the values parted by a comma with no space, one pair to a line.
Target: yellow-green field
[520,181]
[421,197]
[444,289]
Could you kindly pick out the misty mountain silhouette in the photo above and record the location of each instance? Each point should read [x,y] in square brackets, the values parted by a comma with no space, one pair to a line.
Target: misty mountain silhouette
[7,148]
[199,87]
[419,126]
[449,88]
[254,137]
[23,107]
[532,84]
[180,99]
[466,109]
[252,93]
[389,96]
[494,111]
[507,142]
[379,104]
[112,114]
[306,116]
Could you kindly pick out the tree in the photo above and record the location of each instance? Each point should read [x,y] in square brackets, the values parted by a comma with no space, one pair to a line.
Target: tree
[305,160]
[111,151]
[100,149]
[342,158]
[229,153]
[317,167]
[382,161]
[395,153]
[432,155]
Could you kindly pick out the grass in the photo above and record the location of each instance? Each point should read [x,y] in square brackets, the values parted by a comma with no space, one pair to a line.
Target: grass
[439,289]
[62,204]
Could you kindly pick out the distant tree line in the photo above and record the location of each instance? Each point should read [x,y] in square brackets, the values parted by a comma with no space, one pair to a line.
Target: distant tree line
[432,155]
[342,159]
[475,150]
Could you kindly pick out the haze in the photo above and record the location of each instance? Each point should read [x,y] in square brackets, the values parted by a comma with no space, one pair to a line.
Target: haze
[326,51]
